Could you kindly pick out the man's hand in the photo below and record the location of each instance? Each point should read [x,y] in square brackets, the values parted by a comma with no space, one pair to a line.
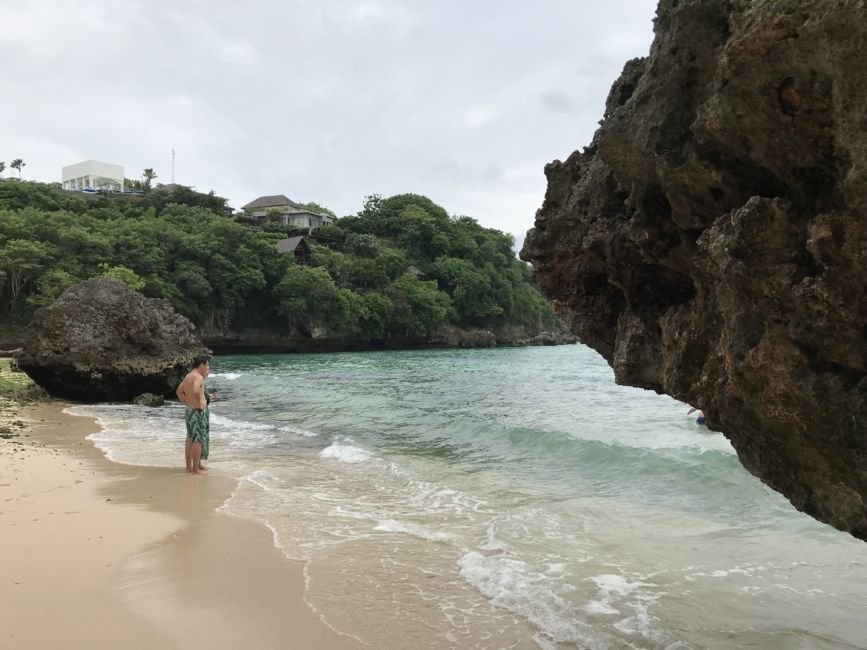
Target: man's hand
[213,396]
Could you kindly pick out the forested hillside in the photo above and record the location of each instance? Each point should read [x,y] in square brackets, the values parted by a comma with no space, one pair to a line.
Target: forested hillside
[397,271]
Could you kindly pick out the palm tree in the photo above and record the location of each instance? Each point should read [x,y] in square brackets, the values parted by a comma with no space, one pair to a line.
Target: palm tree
[148,175]
[18,164]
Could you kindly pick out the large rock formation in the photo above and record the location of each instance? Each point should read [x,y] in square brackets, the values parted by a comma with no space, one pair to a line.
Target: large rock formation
[101,341]
[711,242]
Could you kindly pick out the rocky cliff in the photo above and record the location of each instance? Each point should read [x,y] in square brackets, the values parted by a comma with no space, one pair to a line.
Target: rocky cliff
[711,242]
[101,341]
[269,341]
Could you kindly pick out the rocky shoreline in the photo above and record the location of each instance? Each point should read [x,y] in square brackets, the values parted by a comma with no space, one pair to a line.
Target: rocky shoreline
[264,342]
[103,342]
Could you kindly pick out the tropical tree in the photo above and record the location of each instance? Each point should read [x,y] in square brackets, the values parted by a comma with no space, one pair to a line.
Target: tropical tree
[418,308]
[2,167]
[147,176]
[21,260]
[17,164]
[124,274]
[308,298]
[318,208]
[50,285]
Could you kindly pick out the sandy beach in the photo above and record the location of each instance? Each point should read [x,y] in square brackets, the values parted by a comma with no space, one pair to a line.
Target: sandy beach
[96,555]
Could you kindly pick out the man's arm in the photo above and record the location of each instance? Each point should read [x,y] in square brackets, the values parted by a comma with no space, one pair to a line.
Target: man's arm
[180,392]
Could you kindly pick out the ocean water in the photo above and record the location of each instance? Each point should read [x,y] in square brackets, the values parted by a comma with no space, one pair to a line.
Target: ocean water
[509,498]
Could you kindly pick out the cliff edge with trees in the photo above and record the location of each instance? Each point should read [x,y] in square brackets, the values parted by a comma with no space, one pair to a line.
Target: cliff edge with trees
[400,273]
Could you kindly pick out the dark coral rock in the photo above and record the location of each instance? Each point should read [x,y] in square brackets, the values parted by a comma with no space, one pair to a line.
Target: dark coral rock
[149,399]
[101,341]
[711,242]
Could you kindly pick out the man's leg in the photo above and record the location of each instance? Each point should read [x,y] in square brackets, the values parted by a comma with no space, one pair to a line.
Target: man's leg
[206,438]
[196,453]
[188,454]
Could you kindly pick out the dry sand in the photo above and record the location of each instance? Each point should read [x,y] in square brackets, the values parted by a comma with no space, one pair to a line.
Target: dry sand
[97,555]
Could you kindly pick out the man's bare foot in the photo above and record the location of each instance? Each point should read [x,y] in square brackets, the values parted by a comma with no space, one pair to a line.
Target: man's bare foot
[198,472]
[202,468]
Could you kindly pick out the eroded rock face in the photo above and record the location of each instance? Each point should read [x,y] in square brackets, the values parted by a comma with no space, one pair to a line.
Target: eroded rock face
[711,242]
[149,399]
[101,341]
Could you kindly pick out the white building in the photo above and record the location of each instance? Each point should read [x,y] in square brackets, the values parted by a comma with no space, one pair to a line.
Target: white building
[93,175]
[283,209]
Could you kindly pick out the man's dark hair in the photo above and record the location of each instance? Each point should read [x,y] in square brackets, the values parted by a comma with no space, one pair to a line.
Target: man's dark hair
[201,360]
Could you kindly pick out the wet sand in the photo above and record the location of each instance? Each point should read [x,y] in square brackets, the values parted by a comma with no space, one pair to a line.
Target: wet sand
[97,555]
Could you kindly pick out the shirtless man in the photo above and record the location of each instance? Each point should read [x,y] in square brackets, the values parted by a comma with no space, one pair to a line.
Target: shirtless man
[191,392]
[700,419]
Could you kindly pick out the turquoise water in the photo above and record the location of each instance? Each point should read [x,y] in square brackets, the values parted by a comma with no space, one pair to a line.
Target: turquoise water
[509,498]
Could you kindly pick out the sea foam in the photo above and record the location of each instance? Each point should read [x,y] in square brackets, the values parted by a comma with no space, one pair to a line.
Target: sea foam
[345,453]
[511,583]
[417,530]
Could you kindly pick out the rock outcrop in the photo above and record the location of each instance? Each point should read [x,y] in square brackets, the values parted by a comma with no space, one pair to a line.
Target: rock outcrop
[461,337]
[711,242]
[101,341]
[149,399]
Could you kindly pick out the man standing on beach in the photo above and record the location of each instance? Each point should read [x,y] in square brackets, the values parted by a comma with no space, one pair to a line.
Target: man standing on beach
[191,392]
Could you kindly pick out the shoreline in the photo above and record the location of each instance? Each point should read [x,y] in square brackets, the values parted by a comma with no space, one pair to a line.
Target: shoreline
[98,554]
[449,338]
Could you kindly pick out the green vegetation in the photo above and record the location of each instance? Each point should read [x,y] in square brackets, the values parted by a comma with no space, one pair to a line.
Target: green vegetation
[398,270]
[316,207]
[13,387]
[148,175]
[122,273]
[18,164]
[12,383]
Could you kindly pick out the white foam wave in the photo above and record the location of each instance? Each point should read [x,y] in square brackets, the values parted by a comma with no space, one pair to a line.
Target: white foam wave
[245,434]
[263,479]
[511,583]
[618,591]
[138,435]
[616,585]
[245,425]
[600,608]
[262,431]
[345,453]
[417,530]
[135,435]
[724,573]
[298,432]
[230,376]
[432,497]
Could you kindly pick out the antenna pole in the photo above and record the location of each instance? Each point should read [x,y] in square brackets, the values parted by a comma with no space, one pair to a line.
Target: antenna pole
[173,165]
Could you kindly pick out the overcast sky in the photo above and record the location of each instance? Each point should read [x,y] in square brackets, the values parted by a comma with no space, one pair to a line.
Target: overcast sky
[464,101]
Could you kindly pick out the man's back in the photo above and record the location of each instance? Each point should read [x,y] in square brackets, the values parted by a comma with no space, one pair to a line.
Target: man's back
[191,391]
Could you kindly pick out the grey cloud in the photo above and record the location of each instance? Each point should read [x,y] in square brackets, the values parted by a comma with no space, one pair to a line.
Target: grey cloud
[462,101]
[557,101]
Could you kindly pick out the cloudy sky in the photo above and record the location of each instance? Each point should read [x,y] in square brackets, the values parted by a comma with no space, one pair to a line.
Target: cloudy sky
[322,100]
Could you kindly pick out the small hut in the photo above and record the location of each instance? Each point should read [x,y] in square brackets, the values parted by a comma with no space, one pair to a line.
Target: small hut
[417,273]
[298,247]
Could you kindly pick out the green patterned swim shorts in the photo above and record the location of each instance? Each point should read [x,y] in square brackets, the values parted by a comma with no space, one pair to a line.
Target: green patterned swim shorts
[199,428]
